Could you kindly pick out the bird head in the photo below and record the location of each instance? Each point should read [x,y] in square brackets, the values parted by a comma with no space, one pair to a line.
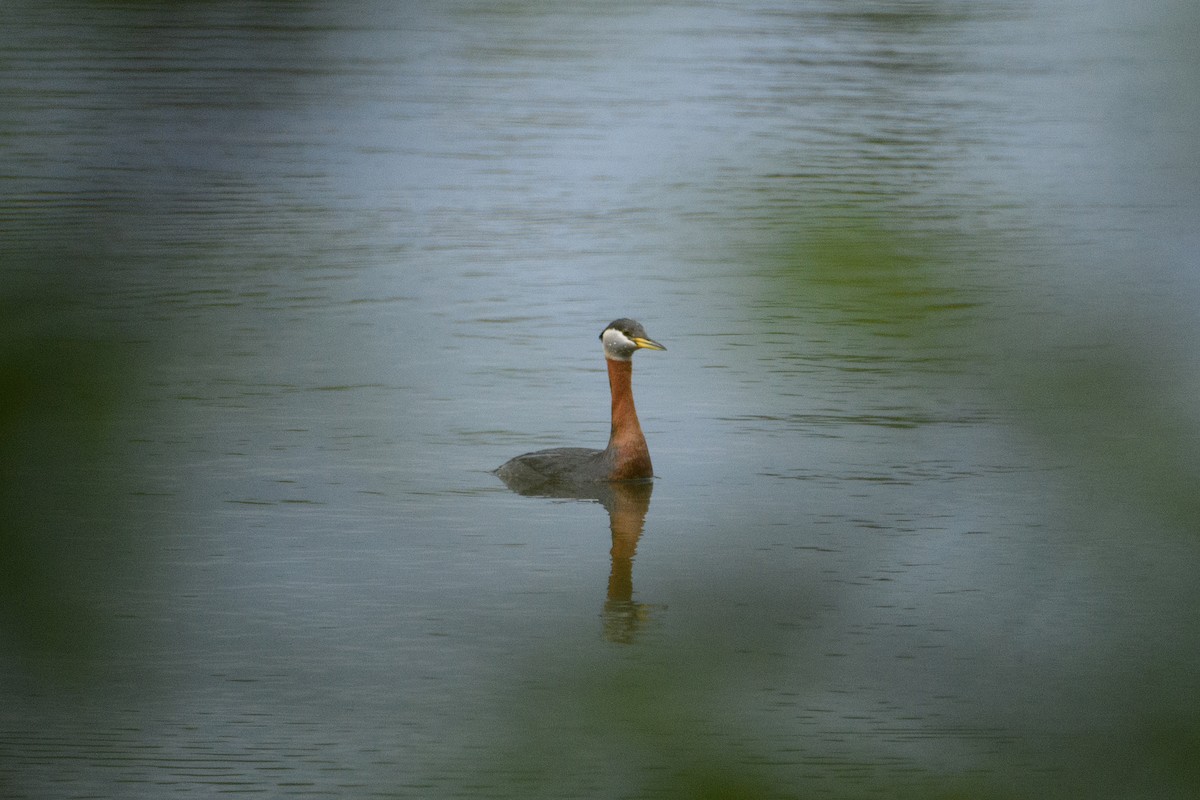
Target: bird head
[623,337]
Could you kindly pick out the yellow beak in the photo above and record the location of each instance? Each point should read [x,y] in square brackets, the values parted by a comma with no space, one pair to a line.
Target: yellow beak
[647,344]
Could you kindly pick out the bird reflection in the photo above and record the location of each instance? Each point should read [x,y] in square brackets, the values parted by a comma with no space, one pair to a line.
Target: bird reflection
[627,503]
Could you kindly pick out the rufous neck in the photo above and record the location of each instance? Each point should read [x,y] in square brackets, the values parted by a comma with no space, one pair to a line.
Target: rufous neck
[627,453]
[624,415]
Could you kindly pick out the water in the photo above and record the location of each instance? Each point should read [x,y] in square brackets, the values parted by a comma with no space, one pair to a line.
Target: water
[355,256]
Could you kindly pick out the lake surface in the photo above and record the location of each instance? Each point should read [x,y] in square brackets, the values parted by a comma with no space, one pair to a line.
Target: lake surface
[924,431]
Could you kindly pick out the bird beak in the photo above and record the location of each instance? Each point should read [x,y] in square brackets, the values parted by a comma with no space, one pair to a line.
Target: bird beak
[647,344]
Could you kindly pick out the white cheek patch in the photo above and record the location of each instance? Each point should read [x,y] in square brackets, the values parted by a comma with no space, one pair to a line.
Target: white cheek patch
[617,345]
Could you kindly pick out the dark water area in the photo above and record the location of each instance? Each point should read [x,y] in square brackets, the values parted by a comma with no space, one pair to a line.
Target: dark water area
[282,284]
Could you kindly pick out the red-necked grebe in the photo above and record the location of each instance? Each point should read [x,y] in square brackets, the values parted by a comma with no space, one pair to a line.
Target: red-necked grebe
[626,458]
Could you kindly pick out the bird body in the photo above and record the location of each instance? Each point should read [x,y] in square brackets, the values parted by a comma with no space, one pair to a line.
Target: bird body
[626,458]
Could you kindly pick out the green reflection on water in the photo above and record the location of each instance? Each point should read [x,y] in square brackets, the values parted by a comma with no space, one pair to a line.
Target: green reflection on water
[63,538]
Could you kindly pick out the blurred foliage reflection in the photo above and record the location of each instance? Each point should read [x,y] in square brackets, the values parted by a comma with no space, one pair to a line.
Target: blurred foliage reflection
[64,532]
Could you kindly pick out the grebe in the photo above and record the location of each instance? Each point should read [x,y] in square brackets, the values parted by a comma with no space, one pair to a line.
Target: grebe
[626,458]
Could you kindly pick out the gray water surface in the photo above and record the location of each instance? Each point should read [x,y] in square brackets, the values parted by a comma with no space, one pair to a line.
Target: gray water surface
[917,527]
